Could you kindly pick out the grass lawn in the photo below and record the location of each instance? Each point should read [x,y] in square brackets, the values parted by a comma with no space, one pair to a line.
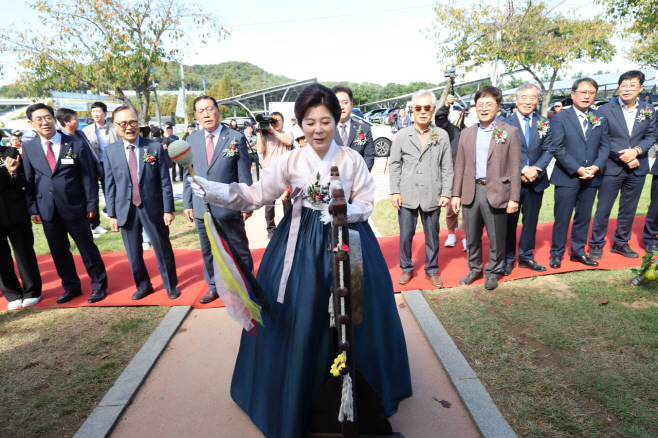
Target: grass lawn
[58,364]
[182,234]
[386,217]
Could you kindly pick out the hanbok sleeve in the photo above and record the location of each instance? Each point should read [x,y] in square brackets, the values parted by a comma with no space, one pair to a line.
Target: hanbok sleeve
[362,196]
[243,197]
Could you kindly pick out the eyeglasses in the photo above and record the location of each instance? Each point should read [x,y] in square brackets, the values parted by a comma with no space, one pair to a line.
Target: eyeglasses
[629,86]
[586,93]
[526,99]
[39,120]
[485,106]
[209,110]
[132,123]
[427,108]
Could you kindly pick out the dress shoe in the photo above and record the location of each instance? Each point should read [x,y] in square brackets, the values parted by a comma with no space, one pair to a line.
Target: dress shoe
[555,262]
[470,278]
[69,295]
[143,293]
[434,279]
[15,305]
[173,293]
[652,248]
[211,296]
[584,260]
[507,269]
[624,250]
[596,252]
[491,283]
[28,302]
[532,265]
[405,278]
[97,295]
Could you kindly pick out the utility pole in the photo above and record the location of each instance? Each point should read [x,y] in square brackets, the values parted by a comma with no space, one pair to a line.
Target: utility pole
[233,94]
[155,96]
[182,84]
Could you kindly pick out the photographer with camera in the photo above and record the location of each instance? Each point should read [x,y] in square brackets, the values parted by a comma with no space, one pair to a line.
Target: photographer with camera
[272,142]
[251,147]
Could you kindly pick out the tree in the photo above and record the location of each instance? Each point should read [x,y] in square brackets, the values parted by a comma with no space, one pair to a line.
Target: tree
[530,36]
[222,90]
[106,46]
[638,18]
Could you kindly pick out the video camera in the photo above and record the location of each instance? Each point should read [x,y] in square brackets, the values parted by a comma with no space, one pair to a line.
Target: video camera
[264,122]
[450,72]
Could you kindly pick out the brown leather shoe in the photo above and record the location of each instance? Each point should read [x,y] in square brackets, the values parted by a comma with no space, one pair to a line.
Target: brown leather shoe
[211,296]
[405,277]
[434,279]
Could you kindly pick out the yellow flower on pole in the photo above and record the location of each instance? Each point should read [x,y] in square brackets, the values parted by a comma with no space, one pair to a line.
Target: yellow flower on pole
[339,364]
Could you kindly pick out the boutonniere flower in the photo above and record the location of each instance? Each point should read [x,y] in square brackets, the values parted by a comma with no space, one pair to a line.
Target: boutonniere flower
[316,194]
[360,137]
[593,120]
[500,135]
[70,154]
[645,114]
[434,138]
[543,127]
[232,149]
[149,158]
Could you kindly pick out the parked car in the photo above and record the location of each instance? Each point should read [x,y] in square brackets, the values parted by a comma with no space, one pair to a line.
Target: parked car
[392,117]
[357,112]
[28,135]
[377,117]
[381,135]
[372,113]
[240,120]
[384,116]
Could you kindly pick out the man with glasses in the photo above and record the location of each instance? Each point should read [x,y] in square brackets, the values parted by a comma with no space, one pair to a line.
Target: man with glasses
[273,143]
[140,197]
[487,184]
[535,136]
[581,146]
[62,195]
[347,128]
[211,161]
[421,183]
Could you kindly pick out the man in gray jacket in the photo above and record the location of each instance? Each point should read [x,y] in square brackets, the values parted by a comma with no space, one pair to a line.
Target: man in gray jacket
[421,182]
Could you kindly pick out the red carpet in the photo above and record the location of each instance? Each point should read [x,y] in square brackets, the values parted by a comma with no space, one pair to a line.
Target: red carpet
[452,267]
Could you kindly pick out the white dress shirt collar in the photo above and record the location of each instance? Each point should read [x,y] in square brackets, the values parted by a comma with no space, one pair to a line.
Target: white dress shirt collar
[135,143]
[521,121]
[629,115]
[216,133]
[57,144]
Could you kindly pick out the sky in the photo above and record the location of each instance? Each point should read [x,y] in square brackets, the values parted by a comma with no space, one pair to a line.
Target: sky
[378,41]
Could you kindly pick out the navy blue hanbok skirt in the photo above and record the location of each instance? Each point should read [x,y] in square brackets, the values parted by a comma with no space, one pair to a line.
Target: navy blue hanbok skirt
[279,374]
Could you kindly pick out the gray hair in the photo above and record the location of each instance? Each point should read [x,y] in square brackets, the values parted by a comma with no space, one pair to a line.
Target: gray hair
[527,86]
[422,93]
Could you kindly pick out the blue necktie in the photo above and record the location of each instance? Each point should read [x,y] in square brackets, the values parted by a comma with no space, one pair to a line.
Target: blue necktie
[585,125]
[527,136]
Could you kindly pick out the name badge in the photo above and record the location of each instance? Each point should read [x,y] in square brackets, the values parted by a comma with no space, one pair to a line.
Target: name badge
[67,160]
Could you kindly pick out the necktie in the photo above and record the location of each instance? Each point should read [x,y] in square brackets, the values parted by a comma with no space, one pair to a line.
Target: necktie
[343,134]
[50,156]
[132,165]
[528,130]
[210,149]
[585,125]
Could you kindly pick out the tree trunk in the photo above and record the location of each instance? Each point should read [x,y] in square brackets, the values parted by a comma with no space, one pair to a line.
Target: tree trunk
[547,94]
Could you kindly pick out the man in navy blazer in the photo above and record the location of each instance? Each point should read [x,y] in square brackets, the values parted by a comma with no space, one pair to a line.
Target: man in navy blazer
[351,132]
[581,146]
[212,162]
[139,196]
[649,236]
[534,132]
[61,194]
[632,126]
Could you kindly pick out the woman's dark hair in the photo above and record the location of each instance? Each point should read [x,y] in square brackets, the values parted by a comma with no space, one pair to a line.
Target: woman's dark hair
[590,81]
[633,74]
[490,91]
[316,95]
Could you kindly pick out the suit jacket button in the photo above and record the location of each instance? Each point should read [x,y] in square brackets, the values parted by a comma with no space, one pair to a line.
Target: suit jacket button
[50,191]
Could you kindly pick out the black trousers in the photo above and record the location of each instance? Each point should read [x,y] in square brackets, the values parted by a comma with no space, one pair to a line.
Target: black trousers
[237,236]
[96,220]
[22,242]
[581,198]
[131,232]
[631,187]
[530,205]
[651,223]
[57,233]
[269,214]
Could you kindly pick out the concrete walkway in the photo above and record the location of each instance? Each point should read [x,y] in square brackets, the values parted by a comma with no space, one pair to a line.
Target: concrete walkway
[187,392]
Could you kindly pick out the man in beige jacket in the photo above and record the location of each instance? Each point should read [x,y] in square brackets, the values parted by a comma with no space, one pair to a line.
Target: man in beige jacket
[421,182]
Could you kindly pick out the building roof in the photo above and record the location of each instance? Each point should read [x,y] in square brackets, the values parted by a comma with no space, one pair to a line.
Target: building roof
[259,99]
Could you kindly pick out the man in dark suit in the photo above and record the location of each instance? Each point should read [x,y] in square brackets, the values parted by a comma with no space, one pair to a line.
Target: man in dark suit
[534,133]
[61,193]
[68,119]
[581,146]
[209,146]
[15,225]
[139,196]
[488,184]
[650,234]
[351,132]
[632,129]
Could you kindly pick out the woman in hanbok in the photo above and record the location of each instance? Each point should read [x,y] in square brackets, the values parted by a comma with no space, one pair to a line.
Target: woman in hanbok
[279,373]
